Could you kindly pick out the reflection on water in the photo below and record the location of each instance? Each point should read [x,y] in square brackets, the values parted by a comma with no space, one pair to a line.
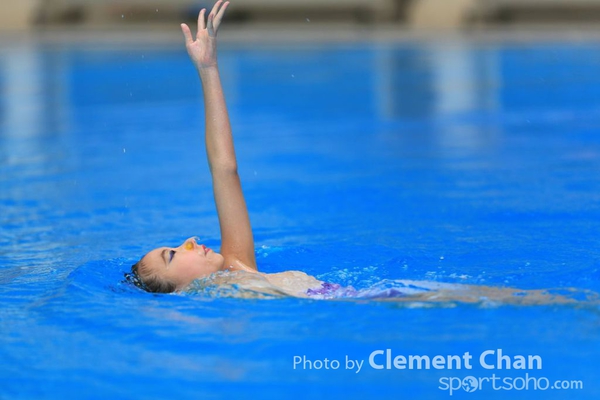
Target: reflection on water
[391,81]
[22,73]
[436,81]
[405,81]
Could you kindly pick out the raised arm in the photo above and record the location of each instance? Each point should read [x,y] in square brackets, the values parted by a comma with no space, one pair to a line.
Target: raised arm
[237,243]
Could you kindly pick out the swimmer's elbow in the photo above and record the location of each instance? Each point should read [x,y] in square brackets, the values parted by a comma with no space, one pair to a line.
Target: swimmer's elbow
[228,167]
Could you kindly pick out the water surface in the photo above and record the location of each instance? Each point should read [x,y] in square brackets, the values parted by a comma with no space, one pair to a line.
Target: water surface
[464,162]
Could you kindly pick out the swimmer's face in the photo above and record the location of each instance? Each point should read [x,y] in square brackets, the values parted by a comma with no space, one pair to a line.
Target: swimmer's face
[181,265]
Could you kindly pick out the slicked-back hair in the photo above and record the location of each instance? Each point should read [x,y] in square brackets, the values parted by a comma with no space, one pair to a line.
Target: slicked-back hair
[143,278]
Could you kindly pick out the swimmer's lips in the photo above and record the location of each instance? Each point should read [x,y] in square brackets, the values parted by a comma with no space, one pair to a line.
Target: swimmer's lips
[206,249]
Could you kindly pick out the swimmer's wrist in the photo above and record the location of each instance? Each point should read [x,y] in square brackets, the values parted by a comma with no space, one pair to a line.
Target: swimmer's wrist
[206,67]
[206,71]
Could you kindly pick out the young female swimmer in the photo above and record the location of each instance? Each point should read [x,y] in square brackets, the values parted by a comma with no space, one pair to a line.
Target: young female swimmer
[170,269]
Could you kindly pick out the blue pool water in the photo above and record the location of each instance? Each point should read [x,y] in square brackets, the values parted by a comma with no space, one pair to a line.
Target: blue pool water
[458,161]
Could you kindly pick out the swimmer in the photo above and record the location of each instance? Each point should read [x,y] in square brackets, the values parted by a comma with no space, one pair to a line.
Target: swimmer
[170,269]
[233,272]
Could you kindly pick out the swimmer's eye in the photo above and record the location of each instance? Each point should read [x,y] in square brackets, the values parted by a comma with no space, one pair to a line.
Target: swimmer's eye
[171,255]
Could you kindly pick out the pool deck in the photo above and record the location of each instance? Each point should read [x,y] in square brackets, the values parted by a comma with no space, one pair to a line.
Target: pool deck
[308,32]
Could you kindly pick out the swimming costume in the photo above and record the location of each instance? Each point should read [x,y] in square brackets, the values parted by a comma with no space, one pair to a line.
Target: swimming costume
[331,291]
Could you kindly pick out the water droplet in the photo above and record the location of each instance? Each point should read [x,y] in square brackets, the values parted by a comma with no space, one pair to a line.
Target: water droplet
[124,151]
[307,20]
[122,15]
[293,76]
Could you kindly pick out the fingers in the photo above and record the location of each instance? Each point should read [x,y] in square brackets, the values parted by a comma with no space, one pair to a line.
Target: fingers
[214,20]
[219,16]
[210,27]
[215,8]
[187,34]
[201,20]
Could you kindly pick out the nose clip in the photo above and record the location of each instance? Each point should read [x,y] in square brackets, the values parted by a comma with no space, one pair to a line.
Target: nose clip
[190,244]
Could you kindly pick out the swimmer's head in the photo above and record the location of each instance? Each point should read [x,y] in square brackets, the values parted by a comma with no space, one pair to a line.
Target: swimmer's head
[168,269]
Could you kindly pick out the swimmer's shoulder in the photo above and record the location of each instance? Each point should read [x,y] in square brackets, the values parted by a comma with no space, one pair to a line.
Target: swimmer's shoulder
[293,283]
[296,283]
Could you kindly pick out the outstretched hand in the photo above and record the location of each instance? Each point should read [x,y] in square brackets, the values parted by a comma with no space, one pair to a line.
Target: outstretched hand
[203,50]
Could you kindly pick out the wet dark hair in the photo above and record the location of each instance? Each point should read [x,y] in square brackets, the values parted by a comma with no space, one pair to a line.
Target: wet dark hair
[150,282]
